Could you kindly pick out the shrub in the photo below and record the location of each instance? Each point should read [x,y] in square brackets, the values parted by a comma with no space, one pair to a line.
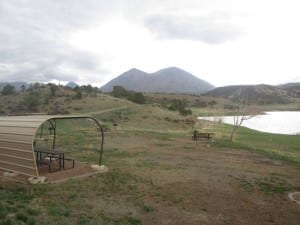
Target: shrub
[31,101]
[137,97]
[8,89]
[78,94]
[119,91]
[180,106]
[22,217]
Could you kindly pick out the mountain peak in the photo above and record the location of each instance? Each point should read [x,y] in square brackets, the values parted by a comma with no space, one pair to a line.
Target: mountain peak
[134,70]
[168,80]
[71,84]
[172,68]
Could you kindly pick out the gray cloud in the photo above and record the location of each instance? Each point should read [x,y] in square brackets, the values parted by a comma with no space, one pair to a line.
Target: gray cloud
[214,28]
[32,34]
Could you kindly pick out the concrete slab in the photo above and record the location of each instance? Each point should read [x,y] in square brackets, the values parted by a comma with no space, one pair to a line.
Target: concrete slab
[36,180]
[98,168]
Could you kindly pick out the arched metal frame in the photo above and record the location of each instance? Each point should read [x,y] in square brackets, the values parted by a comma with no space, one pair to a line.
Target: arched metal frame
[17,134]
[52,122]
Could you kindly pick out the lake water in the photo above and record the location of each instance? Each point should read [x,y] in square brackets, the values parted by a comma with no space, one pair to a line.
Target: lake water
[280,122]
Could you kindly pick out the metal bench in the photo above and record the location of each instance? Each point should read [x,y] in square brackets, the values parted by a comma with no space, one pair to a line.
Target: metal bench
[204,135]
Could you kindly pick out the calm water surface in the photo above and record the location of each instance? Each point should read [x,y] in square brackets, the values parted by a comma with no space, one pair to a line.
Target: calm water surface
[280,122]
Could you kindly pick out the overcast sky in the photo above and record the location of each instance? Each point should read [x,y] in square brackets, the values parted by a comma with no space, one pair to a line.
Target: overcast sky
[221,41]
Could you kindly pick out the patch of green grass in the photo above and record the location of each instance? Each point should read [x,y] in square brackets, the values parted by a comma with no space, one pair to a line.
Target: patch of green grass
[116,180]
[55,209]
[72,196]
[133,221]
[226,143]
[31,221]
[160,135]
[84,219]
[268,140]
[116,116]
[7,222]
[32,212]
[3,211]
[285,156]
[275,146]
[147,164]
[273,184]
[148,208]
[151,164]
[16,199]
[22,217]
[246,185]
[116,153]
[162,144]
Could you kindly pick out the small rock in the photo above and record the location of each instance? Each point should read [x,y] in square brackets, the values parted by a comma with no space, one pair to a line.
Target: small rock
[36,180]
[295,196]
[99,168]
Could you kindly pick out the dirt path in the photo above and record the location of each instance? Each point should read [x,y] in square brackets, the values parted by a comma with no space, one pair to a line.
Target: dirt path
[108,110]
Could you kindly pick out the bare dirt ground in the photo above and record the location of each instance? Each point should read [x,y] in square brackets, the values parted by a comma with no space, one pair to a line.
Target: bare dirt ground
[56,175]
[69,172]
[180,181]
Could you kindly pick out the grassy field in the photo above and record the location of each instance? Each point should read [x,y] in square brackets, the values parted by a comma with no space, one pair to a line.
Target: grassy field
[276,146]
[158,175]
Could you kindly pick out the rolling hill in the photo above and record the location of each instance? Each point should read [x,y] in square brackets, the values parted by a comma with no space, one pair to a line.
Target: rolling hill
[169,80]
[258,94]
[292,88]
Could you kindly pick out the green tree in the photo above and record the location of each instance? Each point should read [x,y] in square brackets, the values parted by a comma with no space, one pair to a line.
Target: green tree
[137,97]
[78,94]
[8,90]
[53,90]
[34,86]
[31,101]
[180,106]
[23,87]
[119,91]
[88,88]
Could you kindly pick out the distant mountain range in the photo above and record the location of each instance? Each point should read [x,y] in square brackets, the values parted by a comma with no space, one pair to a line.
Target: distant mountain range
[175,80]
[18,85]
[169,80]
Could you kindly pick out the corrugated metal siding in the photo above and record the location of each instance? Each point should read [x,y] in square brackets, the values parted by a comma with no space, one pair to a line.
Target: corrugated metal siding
[16,143]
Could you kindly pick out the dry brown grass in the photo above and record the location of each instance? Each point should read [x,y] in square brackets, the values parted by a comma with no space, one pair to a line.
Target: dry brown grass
[158,175]
[171,179]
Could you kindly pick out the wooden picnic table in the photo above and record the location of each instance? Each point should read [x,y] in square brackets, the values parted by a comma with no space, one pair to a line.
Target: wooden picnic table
[47,156]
